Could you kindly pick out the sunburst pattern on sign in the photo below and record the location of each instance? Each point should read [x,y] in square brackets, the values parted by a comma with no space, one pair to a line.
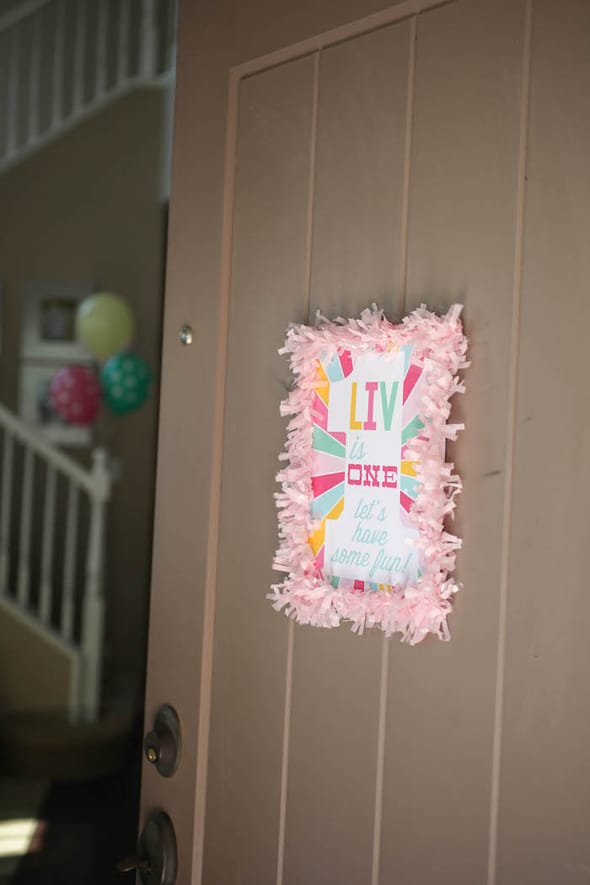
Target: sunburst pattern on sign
[329,451]
[322,511]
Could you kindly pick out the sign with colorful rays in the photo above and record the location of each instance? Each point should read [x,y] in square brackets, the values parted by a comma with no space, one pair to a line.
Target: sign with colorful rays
[365,415]
[367,489]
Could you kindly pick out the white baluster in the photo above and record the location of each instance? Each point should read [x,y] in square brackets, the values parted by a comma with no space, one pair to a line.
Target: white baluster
[171,35]
[24,552]
[5,521]
[80,55]
[13,92]
[34,84]
[85,652]
[69,575]
[47,547]
[20,10]
[93,607]
[149,40]
[100,82]
[58,64]
[123,44]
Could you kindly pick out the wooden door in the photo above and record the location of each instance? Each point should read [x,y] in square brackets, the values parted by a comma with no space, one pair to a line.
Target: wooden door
[328,155]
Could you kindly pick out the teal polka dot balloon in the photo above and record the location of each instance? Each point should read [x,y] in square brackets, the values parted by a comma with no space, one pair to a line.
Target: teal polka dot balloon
[126,380]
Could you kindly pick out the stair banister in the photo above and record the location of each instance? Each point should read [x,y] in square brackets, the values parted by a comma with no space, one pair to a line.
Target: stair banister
[85,650]
[103,67]
[30,437]
[24,10]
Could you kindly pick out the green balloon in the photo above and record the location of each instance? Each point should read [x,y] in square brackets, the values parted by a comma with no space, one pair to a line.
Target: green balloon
[105,324]
[126,380]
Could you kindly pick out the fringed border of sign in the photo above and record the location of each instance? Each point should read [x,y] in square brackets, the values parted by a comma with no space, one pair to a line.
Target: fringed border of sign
[421,607]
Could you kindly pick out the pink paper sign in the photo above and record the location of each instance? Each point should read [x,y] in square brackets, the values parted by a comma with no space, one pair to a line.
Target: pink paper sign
[366,488]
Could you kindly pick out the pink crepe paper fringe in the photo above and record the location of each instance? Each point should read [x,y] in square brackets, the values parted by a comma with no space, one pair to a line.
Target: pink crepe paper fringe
[421,607]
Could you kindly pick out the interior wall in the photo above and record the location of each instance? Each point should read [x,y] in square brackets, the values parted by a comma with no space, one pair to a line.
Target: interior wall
[42,678]
[87,208]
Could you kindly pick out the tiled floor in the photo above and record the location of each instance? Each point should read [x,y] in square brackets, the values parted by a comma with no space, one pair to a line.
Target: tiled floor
[20,805]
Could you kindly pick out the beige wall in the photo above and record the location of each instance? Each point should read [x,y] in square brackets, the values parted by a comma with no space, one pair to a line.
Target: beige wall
[87,208]
[35,672]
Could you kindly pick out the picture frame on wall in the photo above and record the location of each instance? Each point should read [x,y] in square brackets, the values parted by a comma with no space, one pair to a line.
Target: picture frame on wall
[36,409]
[49,321]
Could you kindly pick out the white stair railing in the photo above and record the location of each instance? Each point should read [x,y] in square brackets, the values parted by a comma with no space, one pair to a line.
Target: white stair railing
[54,607]
[63,60]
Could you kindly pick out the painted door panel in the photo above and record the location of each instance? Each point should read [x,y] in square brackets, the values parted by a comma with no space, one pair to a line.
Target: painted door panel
[329,155]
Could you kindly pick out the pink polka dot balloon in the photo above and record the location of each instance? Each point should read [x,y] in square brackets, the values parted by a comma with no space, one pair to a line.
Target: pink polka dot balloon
[75,395]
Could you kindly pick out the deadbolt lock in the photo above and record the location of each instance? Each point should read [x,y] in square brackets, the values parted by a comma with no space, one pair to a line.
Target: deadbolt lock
[156,861]
[162,744]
